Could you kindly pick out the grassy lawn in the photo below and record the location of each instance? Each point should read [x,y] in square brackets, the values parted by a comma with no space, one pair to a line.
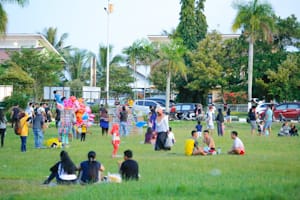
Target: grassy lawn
[269,170]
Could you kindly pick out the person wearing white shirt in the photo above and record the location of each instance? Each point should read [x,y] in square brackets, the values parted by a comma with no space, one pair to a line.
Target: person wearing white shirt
[238,146]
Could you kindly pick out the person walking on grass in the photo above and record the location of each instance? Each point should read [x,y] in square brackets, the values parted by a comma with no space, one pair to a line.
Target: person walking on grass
[3,122]
[37,128]
[24,118]
[116,140]
[237,146]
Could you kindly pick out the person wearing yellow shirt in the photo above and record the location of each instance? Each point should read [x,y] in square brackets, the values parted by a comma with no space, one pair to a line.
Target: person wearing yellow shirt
[24,117]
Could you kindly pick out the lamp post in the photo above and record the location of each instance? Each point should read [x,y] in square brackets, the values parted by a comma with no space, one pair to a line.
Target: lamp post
[108,10]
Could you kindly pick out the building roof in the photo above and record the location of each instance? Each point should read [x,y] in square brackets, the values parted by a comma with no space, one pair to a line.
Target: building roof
[13,42]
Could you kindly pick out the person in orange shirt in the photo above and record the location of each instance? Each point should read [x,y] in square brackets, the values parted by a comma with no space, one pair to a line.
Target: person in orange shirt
[23,117]
[115,139]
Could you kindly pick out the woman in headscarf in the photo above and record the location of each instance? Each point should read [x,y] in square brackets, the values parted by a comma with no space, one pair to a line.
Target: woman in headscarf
[161,129]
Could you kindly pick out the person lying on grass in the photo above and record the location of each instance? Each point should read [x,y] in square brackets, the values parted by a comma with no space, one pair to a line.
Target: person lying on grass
[238,146]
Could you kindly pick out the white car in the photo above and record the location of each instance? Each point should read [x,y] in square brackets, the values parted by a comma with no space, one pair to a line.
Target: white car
[143,106]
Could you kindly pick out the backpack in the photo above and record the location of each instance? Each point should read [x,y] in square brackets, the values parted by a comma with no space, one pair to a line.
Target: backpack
[18,127]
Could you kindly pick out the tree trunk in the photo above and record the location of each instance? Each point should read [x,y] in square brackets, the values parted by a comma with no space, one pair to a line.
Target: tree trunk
[168,91]
[250,71]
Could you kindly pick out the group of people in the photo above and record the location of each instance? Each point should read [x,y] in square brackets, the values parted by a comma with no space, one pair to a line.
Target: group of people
[35,116]
[192,146]
[159,133]
[219,117]
[288,129]
[89,171]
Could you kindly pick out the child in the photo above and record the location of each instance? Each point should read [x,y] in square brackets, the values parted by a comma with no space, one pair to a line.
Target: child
[83,132]
[115,139]
[199,128]
[260,127]
[293,130]
[148,135]
[170,141]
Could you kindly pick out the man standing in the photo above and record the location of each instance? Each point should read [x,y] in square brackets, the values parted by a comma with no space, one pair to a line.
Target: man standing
[268,120]
[129,168]
[238,146]
[123,121]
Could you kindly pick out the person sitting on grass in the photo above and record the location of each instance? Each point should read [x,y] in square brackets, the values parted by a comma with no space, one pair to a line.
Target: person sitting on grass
[129,168]
[285,129]
[89,170]
[293,130]
[209,143]
[238,146]
[191,145]
[63,171]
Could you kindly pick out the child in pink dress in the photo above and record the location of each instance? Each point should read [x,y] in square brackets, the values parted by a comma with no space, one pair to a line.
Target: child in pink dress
[115,139]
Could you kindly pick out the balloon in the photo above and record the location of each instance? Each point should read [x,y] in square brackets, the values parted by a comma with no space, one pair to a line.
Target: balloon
[85,116]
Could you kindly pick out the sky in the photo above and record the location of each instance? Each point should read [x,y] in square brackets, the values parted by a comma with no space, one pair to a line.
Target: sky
[86,20]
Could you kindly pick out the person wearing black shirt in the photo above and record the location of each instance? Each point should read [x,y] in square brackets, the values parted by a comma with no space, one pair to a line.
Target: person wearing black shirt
[129,168]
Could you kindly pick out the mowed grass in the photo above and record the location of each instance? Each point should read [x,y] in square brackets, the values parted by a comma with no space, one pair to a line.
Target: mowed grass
[269,170]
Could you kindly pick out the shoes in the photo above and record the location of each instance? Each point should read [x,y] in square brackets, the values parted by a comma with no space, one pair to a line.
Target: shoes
[46,182]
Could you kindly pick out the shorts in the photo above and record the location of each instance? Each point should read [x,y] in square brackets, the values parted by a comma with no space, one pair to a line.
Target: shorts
[210,126]
[253,124]
[242,152]
[267,124]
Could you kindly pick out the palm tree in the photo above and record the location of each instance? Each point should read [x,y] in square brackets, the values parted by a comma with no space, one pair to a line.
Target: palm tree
[256,21]
[171,56]
[3,14]
[58,43]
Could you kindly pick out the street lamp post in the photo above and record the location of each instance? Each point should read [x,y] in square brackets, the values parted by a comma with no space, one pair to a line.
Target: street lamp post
[108,10]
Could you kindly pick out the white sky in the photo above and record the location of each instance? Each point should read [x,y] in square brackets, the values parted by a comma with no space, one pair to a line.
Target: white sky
[86,21]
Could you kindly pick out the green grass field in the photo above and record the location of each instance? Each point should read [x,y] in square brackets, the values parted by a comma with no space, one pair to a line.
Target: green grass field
[269,170]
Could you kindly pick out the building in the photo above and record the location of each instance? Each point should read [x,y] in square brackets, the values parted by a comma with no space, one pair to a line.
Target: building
[14,42]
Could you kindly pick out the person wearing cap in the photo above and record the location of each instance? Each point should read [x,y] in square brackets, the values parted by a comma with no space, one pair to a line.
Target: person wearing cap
[90,170]
[161,129]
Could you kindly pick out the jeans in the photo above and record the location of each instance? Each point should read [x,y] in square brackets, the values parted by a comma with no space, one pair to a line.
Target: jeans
[38,137]
[23,143]
[220,128]
[123,129]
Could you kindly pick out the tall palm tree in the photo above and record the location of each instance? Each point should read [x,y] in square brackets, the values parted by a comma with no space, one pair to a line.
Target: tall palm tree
[3,14]
[256,21]
[171,56]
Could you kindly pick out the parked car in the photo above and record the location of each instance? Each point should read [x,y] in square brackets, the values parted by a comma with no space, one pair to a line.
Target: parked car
[262,107]
[288,111]
[161,101]
[143,106]
[185,111]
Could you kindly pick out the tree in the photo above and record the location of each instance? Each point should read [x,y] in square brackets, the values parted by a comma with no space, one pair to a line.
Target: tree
[171,58]
[141,52]
[58,43]
[206,71]
[3,14]
[30,70]
[256,21]
[285,81]
[186,27]
[121,77]
[201,24]
[101,61]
